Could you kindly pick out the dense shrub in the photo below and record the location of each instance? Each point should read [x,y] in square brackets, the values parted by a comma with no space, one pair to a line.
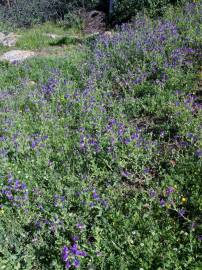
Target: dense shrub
[71,19]
[125,9]
[25,13]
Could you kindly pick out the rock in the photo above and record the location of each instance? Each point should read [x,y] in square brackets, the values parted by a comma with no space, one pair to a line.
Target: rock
[9,40]
[108,34]
[17,56]
[30,83]
[53,36]
[2,37]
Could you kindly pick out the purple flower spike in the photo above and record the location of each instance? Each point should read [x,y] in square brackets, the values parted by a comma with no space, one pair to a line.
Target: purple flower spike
[74,249]
[65,257]
[65,249]
[68,264]
[76,263]
[65,253]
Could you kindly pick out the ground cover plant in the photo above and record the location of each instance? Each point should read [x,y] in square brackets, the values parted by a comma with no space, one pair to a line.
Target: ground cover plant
[100,158]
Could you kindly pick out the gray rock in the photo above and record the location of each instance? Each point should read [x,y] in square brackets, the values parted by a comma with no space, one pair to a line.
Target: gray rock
[2,37]
[30,83]
[9,40]
[16,56]
[53,36]
[108,34]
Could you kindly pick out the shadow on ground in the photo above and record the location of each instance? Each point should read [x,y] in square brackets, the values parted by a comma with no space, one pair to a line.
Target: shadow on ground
[66,41]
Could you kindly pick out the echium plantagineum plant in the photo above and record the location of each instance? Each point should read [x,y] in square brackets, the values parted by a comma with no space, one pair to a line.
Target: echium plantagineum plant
[71,255]
[111,157]
[14,193]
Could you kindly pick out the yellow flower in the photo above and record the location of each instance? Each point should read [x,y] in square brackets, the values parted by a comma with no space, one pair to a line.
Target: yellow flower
[168,205]
[1,211]
[184,200]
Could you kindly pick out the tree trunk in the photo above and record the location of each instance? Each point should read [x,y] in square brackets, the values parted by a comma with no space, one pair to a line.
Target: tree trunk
[6,3]
[110,6]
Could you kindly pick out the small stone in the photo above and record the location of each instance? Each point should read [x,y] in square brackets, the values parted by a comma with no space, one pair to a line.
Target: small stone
[53,36]
[30,83]
[146,206]
[108,34]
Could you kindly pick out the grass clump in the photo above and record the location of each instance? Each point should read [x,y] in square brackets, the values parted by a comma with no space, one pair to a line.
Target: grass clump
[101,160]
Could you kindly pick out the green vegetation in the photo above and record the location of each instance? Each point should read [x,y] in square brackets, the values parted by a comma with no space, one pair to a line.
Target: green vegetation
[25,13]
[101,150]
[39,69]
[126,9]
[40,36]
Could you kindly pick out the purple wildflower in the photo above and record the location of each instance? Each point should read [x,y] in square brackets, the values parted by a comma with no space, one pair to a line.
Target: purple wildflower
[125,174]
[198,153]
[65,253]
[67,264]
[169,190]
[70,255]
[181,212]
[80,226]
[75,238]
[74,249]
[76,263]
[95,195]
[152,193]
[162,202]
[200,237]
